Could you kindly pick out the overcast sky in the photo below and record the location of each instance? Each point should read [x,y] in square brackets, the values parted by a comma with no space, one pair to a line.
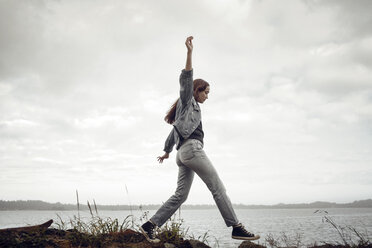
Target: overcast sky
[85,85]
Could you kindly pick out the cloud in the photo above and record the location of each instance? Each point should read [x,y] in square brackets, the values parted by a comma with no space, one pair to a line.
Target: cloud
[117,117]
[354,18]
[85,86]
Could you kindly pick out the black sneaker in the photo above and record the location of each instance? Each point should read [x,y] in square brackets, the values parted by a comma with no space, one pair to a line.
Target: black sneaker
[148,230]
[239,232]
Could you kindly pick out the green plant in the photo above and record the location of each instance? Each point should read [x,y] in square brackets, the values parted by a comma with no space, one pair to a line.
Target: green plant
[202,238]
[272,241]
[284,240]
[96,225]
[61,225]
[91,232]
[172,231]
[350,236]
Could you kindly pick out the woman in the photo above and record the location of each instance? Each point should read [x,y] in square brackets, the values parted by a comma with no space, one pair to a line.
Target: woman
[187,134]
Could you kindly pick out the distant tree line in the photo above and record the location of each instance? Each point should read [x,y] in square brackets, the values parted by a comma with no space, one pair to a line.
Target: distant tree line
[318,204]
[41,205]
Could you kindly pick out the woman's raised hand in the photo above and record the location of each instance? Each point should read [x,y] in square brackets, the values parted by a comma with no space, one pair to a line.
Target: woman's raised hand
[189,44]
[161,158]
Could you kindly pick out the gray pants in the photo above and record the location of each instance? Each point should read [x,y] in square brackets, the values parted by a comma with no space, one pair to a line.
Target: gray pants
[191,158]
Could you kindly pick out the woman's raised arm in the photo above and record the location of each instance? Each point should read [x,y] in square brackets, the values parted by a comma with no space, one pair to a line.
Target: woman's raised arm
[186,77]
[189,53]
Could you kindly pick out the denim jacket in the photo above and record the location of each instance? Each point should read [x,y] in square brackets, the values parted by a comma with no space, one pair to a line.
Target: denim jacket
[188,114]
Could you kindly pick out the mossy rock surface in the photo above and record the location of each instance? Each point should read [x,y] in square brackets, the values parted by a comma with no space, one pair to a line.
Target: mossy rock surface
[73,238]
[56,238]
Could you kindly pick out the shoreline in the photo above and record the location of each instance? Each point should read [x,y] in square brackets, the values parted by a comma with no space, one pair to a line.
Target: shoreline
[43,206]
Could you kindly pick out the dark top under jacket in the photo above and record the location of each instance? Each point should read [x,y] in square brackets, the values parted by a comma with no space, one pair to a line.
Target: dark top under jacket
[197,134]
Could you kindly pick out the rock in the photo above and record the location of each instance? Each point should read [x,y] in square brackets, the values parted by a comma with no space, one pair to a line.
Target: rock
[42,236]
[249,244]
[131,236]
[40,227]
[197,244]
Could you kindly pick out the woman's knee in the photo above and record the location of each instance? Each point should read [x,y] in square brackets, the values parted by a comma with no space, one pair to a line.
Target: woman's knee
[216,187]
[179,197]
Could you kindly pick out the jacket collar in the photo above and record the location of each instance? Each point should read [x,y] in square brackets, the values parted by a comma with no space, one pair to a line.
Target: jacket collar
[195,104]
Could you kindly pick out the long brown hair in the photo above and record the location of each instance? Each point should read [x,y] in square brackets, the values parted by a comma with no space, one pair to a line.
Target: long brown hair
[199,86]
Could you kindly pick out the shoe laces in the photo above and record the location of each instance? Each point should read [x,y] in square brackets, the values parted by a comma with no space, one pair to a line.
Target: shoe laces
[152,232]
[245,231]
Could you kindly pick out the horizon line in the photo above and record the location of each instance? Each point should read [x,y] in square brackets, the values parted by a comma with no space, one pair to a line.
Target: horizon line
[196,204]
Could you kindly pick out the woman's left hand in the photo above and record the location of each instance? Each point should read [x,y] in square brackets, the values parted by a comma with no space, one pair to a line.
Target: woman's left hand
[189,44]
[161,158]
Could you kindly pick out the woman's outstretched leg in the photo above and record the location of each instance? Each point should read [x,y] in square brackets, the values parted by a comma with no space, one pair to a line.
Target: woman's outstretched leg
[184,182]
[205,170]
[200,163]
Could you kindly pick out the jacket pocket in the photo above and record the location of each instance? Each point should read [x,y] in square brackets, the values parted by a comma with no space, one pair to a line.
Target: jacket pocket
[198,145]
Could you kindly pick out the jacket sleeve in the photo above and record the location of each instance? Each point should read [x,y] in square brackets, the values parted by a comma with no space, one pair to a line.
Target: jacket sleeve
[170,142]
[186,86]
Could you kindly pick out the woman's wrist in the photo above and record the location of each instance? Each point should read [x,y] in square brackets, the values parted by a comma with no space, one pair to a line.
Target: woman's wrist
[188,66]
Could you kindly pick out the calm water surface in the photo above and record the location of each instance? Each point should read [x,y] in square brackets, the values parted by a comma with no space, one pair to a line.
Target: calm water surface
[292,222]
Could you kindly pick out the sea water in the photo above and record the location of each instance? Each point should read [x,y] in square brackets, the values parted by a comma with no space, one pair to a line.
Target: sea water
[306,225]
